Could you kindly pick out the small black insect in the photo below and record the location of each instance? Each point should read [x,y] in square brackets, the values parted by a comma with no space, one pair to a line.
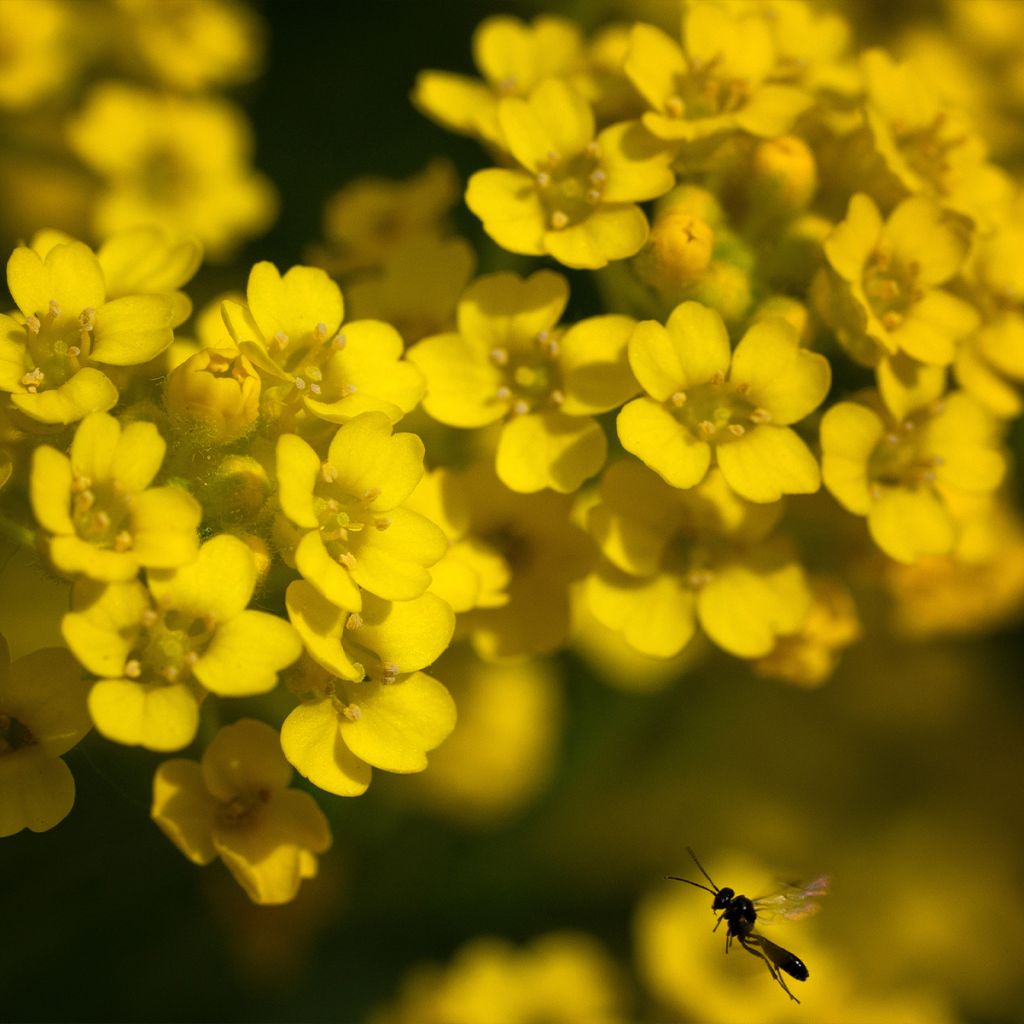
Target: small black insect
[740,914]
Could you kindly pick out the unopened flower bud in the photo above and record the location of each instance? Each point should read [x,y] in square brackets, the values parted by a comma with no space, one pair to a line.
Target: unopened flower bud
[784,175]
[217,391]
[677,253]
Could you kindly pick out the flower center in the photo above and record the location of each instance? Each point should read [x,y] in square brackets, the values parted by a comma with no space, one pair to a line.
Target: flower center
[101,513]
[168,645]
[899,459]
[243,809]
[571,187]
[701,93]
[928,150]
[14,735]
[341,514]
[533,379]
[57,346]
[891,287]
[718,411]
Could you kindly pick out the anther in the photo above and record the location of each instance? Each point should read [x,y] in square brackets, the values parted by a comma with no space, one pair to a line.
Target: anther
[300,384]
[388,672]
[170,673]
[354,621]
[33,324]
[338,341]
[348,560]
[315,389]
[743,388]
[503,394]
[521,408]
[891,320]
[706,427]
[674,106]
[593,150]
[149,618]
[328,472]
[499,356]
[593,196]
[760,416]
[557,397]
[678,399]
[383,523]
[346,390]
[54,308]
[737,429]
[320,332]
[87,319]
[352,712]
[132,668]
[717,378]
[370,496]
[543,179]
[597,177]
[559,219]
[123,541]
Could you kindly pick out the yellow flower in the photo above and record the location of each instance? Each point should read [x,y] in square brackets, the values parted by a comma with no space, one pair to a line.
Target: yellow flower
[290,328]
[544,552]
[370,218]
[513,57]
[215,395]
[892,271]
[989,364]
[575,196]
[717,81]
[508,361]
[704,403]
[235,804]
[101,518]
[927,146]
[177,162]
[379,711]
[472,574]
[903,475]
[157,650]
[192,46]
[564,977]
[808,657]
[504,747]
[42,715]
[353,531]
[38,54]
[69,324]
[673,559]
[417,286]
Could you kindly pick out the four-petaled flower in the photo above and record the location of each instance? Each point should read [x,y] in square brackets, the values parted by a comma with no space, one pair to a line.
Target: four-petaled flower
[706,404]
[575,195]
[235,804]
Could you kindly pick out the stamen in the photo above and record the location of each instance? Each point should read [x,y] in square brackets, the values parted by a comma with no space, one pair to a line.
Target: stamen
[87,319]
[352,712]
[33,324]
[338,342]
[281,339]
[123,541]
[383,523]
[320,332]
[559,219]
[737,429]
[557,397]
[370,496]
[54,308]
[348,560]
[521,407]
[354,622]
[329,473]
[543,179]
[678,399]
[760,416]
[388,672]
[503,394]
[717,378]
[132,668]
[499,356]
[706,427]
[150,618]
[674,106]
[300,384]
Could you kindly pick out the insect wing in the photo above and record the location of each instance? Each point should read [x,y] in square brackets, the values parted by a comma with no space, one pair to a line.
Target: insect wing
[793,902]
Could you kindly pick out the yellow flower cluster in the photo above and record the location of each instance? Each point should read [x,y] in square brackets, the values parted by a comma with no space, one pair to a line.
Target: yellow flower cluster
[805,271]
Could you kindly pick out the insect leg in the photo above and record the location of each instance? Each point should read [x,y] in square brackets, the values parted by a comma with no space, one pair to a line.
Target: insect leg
[751,943]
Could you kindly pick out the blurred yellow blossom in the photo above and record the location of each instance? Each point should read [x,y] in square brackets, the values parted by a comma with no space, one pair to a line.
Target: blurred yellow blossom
[42,716]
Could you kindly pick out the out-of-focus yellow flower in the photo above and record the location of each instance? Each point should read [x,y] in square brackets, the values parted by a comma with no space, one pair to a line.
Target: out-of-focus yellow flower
[235,805]
[354,531]
[290,328]
[101,518]
[42,715]
[990,364]
[417,287]
[899,473]
[561,977]
[977,587]
[575,194]
[214,395]
[705,403]
[508,360]
[893,270]
[472,574]
[513,57]
[178,162]
[504,746]
[369,219]
[46,359]
[718,80]
[809,656]
[927,147]
[675,558]
[157,650]
[544,552]
[38,53]
[192,44]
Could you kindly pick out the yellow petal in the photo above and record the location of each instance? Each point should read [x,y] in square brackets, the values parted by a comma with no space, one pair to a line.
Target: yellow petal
[636,163]
[462,382]
[218,583]
[36,791]
[312,742]
[314,562]
[907,524]
[164,524]
[392,563]
[298,469]
[246,653]
[854,240]
[785,379]
[103,624]
[508,312]
[549,449]
[89,390]
[921,233]
[321,626]
[244,758]
[907,385]
[144,714]
[595,367]
[648,430]
[404,635]
[510,207]
[767,462]
[294,304]
[610,232]
[455,101]
[183,809]
[654,64]
[849,433]
[553,125]
[70,275]
[132,329]
[50,490]
[398,723]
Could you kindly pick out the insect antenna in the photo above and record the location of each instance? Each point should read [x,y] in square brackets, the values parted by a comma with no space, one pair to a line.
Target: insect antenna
[700,885]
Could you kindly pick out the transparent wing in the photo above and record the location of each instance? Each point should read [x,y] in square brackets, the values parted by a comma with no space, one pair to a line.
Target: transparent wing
[793,901]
